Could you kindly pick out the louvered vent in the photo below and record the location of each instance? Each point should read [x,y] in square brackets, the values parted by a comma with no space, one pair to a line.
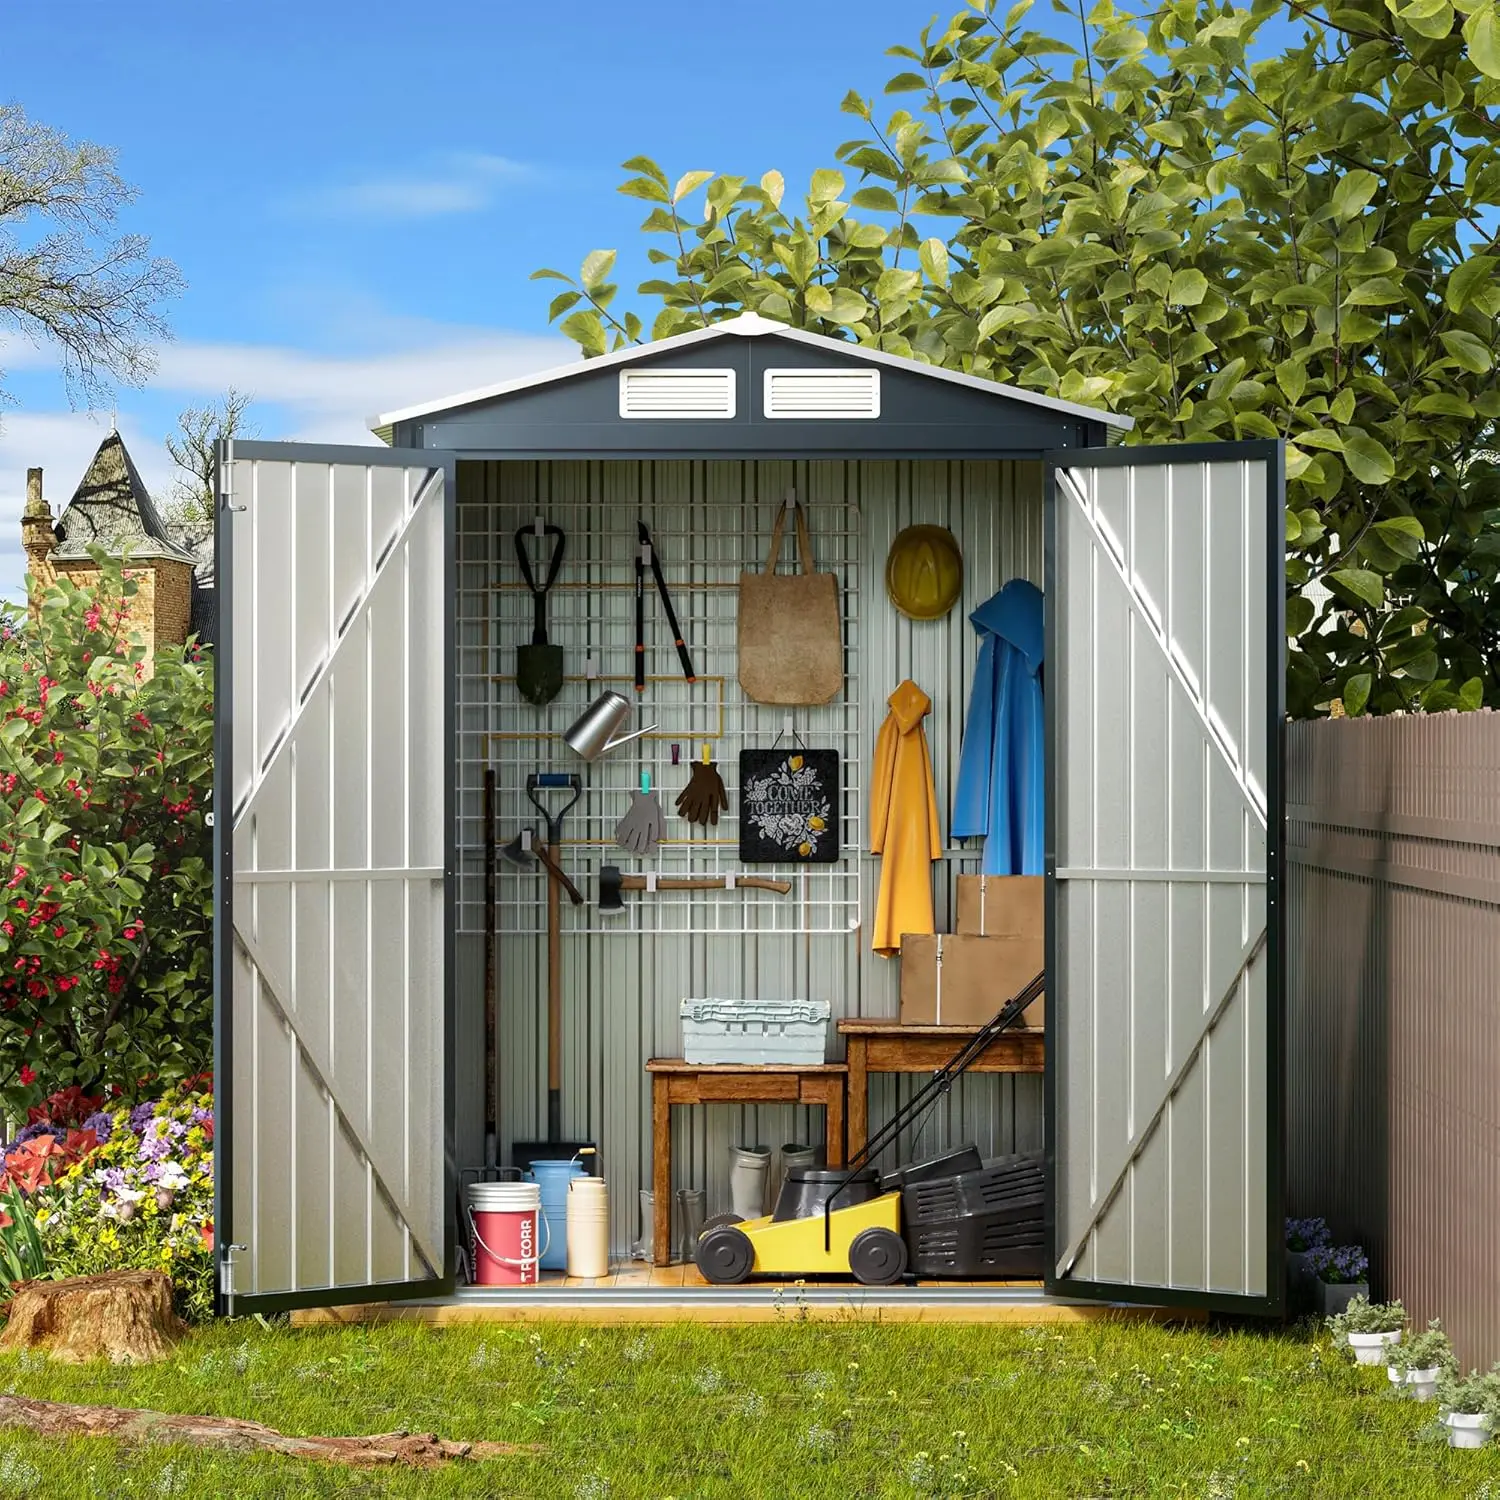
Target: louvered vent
[676,393]
[825,394]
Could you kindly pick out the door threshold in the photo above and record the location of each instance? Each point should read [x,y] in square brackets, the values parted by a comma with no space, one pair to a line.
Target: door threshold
[1024,1305]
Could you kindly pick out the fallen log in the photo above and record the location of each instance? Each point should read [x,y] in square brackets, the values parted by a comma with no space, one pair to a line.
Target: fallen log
[416,1450]
[125,1316]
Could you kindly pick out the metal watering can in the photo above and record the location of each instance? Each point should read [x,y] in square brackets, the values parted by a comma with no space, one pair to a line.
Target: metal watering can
[589,735]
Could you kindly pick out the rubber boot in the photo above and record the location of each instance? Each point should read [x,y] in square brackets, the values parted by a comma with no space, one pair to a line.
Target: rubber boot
[795,1156]
[641,1250]
[749,1170]
[690,1211]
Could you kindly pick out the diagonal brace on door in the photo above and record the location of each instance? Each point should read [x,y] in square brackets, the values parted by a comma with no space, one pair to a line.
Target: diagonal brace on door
[1247,957]
[322,1075]
[1159,636]
[341,637]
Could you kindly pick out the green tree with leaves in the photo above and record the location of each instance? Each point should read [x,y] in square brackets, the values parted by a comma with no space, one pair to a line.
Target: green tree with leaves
[1218,243]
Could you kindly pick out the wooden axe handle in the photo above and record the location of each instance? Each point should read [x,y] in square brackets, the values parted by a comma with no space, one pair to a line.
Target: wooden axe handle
[704,883]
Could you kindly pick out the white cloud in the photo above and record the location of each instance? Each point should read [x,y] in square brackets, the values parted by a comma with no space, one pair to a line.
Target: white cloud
[324,388]
[457,184]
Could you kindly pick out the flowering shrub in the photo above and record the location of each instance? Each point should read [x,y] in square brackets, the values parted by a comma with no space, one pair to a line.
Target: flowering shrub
[1342,1264]
[1307,1234]
[106,898]
[142,1199]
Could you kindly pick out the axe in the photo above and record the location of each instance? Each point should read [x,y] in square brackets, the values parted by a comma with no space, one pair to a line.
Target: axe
[524,850]
[613,882]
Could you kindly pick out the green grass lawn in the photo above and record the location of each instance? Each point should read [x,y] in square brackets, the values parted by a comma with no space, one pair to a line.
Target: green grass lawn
[819,1409]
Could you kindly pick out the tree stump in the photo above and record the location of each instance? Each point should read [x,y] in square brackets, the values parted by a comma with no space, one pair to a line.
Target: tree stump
[124,1316]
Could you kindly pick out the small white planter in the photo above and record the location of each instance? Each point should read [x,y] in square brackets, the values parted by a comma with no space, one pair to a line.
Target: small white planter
[1369,1348]
[1467,1429]
[1422,1384]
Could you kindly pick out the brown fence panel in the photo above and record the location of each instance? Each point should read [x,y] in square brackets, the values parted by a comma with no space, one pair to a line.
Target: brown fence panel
[1393,1035]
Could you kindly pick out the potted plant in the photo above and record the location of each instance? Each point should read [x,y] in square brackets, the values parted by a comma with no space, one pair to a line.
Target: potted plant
[1469,1407]
[1417,1365]
[1340,1274]
[1302,1237]
[1367,1329]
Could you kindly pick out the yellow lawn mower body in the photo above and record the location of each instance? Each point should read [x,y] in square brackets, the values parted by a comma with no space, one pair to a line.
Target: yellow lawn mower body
[863,1240]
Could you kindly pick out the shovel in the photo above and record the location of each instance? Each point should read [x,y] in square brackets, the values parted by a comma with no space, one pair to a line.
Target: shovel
[539,666]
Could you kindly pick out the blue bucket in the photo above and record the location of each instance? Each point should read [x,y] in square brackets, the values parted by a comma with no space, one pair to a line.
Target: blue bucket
[553,1177]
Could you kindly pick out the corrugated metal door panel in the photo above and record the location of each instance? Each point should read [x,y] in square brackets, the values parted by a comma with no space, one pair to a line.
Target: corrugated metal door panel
[332,1009]
[1164,676]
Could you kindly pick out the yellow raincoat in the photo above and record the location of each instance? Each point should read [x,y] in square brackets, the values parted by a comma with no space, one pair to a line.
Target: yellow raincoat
[904,821]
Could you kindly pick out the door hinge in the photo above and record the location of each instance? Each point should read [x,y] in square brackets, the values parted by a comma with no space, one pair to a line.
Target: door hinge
[226,1276]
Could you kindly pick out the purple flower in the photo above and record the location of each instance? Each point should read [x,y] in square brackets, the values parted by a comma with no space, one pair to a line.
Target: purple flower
[141,1116]
[202,1116]
[32,1131]
[1344,1264]
[113,1178]
[1307,1234]
[102,1124]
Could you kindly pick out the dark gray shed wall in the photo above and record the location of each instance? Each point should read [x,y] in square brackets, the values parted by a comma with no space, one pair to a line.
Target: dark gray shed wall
[920,415]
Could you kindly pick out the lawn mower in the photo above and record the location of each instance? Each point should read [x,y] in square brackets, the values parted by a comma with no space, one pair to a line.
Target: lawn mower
[952,1215]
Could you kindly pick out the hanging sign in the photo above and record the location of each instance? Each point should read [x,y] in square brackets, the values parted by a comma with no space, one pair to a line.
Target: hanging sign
[789,806]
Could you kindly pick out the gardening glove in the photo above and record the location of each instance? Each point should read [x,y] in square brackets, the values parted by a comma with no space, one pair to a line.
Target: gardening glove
[640,830]
[704,797]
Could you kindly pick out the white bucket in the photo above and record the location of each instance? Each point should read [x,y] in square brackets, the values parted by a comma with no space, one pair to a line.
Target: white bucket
[588,1227]
[504,1221]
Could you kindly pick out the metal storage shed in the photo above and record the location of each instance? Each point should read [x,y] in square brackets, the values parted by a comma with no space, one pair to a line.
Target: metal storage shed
[368,620]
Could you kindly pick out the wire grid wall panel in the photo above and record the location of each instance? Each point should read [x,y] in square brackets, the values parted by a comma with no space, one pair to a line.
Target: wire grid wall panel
[1393,1036]
[623,981]
[709,522]
[337,1016]
[1160,1055]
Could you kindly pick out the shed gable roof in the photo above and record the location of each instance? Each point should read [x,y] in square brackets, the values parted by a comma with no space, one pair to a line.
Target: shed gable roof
[746,325]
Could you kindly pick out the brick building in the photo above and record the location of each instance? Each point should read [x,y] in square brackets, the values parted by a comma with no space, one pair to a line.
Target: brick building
[112,508]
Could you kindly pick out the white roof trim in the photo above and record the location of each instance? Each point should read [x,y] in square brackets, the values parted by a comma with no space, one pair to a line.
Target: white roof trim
[750,325]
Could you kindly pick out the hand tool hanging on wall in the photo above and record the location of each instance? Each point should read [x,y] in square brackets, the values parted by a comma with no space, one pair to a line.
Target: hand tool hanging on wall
[539,666]
[640,830]
[491,995]
[613,880]
[646,557]
[703,798]
[539,782]
[525,851]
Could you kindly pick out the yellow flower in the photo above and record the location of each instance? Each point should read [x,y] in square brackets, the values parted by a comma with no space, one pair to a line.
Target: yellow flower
[41,1216]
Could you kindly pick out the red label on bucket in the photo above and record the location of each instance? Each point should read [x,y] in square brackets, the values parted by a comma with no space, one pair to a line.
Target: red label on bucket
[504,1247]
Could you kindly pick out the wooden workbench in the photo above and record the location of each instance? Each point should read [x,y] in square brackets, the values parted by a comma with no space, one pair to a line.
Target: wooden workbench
[674,1081]
[890,1047]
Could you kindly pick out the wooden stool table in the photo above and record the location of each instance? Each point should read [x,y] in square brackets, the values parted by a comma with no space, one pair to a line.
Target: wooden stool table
[674,1081]
[890,1047]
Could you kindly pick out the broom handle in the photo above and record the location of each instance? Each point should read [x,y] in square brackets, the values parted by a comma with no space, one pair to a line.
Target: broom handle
[554,1003]
[704,883]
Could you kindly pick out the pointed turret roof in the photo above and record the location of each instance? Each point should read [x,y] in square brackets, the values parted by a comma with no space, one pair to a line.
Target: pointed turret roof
[112,508]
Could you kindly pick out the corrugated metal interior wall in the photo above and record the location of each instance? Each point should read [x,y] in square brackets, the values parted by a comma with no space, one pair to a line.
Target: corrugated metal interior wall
[1393,1009]
[623,983]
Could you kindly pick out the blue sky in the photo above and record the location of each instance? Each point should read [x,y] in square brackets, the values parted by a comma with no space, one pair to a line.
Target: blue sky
[357,194]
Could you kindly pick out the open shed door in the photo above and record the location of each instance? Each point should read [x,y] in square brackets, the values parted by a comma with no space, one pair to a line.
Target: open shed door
[333,847]
[1165,692]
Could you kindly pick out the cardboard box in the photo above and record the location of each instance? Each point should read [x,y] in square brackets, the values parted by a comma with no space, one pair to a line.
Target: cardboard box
[1002,906]
[958,979]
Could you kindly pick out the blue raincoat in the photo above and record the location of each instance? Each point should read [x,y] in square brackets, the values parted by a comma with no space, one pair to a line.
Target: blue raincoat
[1001,768]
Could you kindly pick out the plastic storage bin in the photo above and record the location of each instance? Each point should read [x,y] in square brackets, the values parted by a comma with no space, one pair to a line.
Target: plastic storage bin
[976,1224]
[755,1031]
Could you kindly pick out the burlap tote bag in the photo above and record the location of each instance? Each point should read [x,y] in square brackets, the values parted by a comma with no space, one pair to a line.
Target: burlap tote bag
[791,651]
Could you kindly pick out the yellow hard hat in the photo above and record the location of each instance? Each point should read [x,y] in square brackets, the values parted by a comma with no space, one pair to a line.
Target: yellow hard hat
[924,572]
